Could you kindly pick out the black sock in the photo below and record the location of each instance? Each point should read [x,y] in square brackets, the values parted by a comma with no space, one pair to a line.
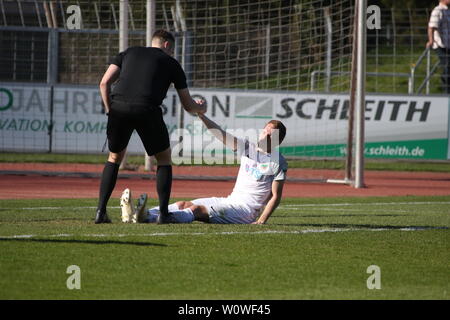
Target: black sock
[164,186]
[107,184]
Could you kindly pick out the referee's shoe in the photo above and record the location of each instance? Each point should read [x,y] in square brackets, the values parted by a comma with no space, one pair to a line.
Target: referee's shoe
[102,217]
[166,218]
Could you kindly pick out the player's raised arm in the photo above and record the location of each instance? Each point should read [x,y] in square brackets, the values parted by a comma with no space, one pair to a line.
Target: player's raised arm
[277,191]
[227,139]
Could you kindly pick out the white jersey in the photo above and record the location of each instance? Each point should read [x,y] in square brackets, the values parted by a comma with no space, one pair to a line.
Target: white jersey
[440,19]
[258,170]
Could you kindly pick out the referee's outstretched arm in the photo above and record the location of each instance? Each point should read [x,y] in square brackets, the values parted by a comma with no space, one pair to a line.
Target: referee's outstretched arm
[189,104]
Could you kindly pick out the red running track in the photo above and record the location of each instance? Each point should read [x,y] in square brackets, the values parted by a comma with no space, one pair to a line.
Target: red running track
[379,183]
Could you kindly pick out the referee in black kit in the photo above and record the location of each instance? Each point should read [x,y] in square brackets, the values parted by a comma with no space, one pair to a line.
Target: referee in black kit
[144,75]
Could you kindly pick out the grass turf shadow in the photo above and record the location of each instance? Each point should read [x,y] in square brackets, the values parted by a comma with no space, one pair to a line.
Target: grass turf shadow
[96,242]
[339,215]
[364,226]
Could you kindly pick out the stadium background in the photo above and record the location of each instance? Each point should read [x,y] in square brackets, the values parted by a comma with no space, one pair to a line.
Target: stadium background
[321,239]
[278,48]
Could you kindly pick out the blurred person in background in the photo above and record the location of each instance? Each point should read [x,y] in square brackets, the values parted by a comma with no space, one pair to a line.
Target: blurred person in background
[439,39]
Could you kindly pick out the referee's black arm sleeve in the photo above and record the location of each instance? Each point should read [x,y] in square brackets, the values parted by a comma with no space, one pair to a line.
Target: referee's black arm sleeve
[179,77]
[117,60]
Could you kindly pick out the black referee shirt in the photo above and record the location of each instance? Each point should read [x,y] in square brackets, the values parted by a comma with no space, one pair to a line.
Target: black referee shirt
[145,75]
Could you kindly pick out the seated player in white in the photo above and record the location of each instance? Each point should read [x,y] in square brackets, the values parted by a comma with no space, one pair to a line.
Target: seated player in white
[255,196]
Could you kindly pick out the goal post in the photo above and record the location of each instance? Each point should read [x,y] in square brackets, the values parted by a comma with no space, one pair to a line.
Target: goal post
[123,45]
[150,29]
[360,94]
[357,101]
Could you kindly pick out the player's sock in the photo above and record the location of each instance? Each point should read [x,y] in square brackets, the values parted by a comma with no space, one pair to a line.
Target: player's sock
[164,186]
[154,210]
[183,216]
[152,217]
[107,184]
[171,207]
[153,213]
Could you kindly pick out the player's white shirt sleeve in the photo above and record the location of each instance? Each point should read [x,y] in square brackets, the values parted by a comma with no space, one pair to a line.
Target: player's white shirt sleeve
[282,169]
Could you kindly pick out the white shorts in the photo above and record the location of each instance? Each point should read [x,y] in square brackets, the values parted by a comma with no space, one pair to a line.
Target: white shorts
[225,211]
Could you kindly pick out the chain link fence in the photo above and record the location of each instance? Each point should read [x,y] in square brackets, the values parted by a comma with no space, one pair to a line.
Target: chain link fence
[235,44]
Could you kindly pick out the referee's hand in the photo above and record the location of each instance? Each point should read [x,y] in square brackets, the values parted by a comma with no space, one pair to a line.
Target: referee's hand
[202,106]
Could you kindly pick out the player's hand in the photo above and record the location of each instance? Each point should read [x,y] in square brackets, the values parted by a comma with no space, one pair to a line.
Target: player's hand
[201,104]
[258,222]
[429,44]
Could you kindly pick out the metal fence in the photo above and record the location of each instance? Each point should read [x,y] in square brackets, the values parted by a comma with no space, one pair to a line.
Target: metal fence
[37,46]
[33,52]
[395,50]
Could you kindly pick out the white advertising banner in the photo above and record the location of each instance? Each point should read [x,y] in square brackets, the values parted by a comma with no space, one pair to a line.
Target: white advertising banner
[396,126]
[24,117]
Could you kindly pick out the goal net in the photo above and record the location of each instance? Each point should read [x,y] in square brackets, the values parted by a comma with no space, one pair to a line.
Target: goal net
[252,61]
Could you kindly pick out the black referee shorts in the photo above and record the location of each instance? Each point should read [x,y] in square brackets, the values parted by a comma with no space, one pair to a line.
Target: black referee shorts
[148,121]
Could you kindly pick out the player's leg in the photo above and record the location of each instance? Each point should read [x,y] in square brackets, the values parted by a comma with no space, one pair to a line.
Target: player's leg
[186,215]
[180,212]
[107,184]
[155,137]
[227,212]
[116,157]
[183,205]
[172,207]
[200,213]
[118,134]
[188,211]
[152,214]
[197,209]
[208,210]
[164,180]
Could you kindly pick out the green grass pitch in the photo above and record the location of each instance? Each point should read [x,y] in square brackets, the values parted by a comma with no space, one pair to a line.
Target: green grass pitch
[311,249]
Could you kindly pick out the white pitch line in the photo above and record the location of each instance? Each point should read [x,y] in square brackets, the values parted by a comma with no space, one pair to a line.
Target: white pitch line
[361,204]
[54,208]
[164,234]
[345,210]
[286,206]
